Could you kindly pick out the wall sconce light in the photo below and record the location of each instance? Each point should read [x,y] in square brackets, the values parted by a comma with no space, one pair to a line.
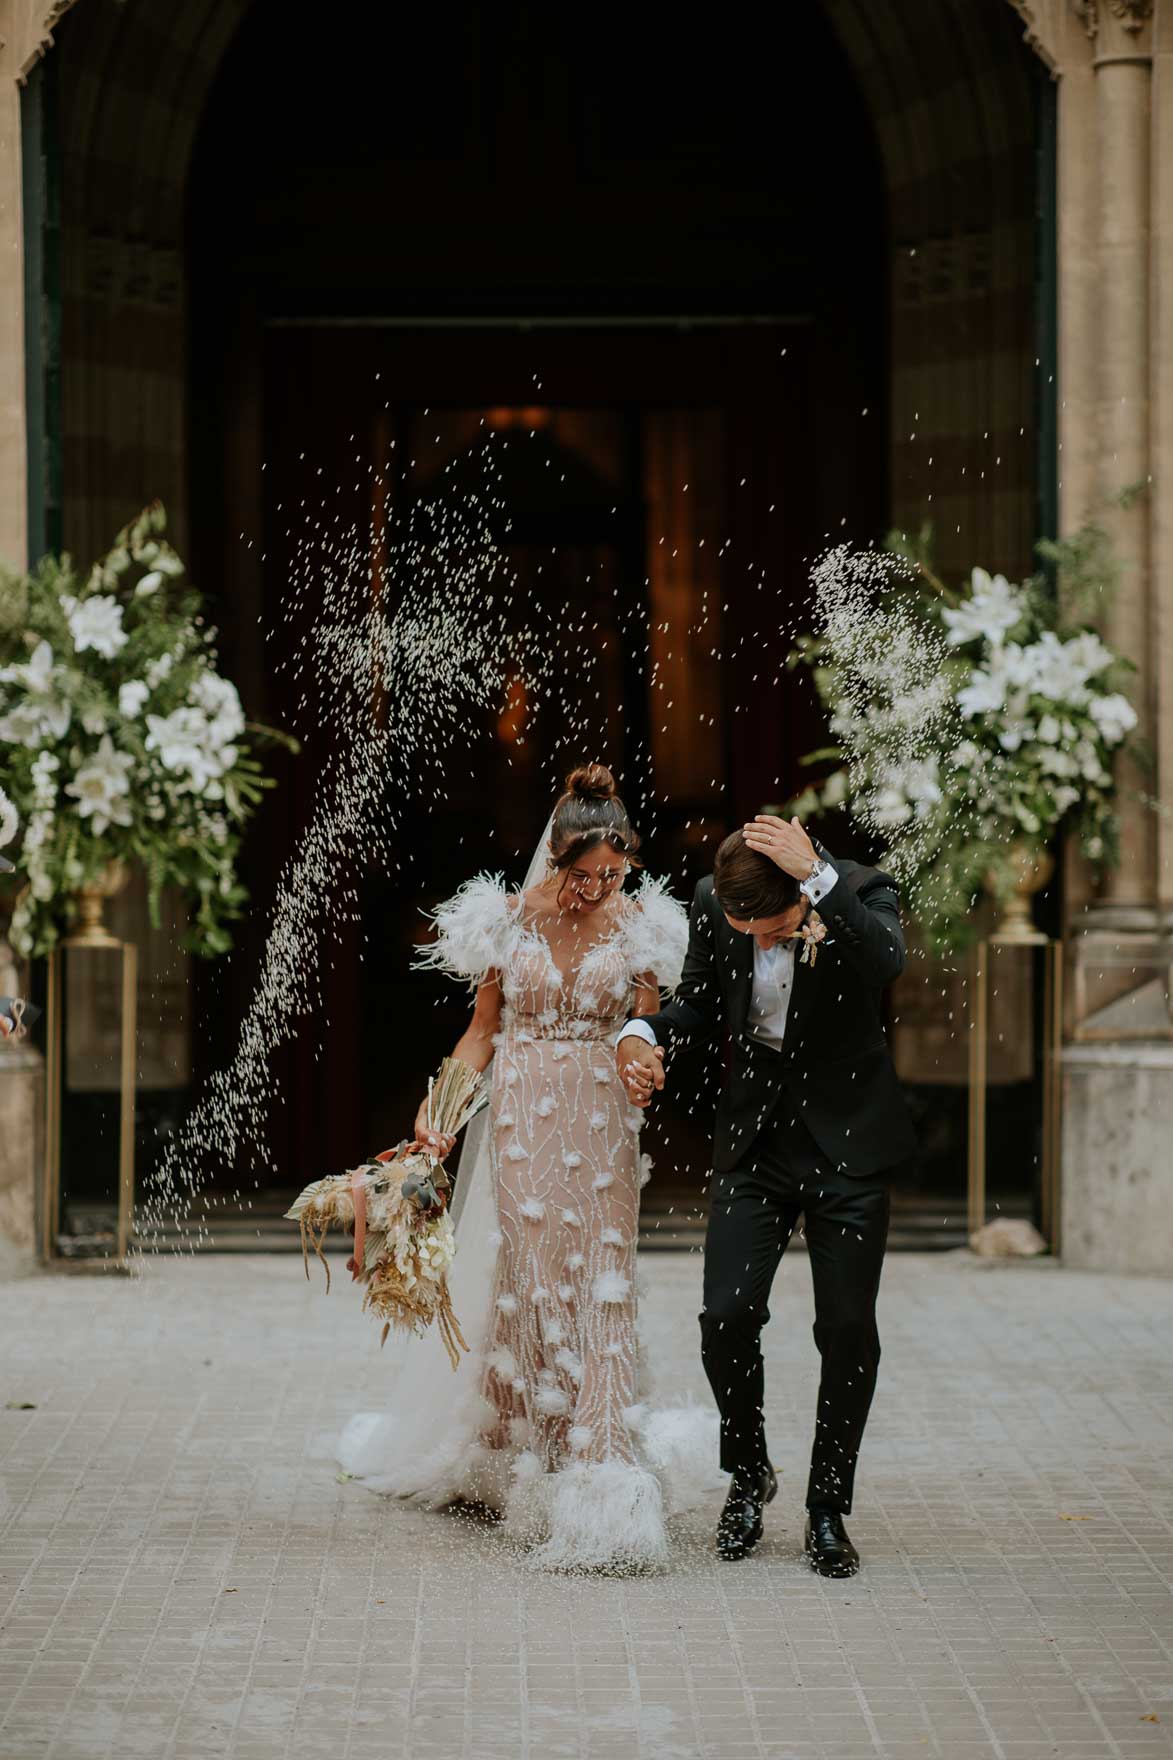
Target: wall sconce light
[512,719]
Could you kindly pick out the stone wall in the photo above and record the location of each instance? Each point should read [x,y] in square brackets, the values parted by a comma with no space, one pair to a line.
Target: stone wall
[1114,63]
[1117,1127]
[21,1142]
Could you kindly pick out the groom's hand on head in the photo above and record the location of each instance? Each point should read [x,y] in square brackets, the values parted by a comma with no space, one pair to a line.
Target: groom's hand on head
[641,1068]
[786,844]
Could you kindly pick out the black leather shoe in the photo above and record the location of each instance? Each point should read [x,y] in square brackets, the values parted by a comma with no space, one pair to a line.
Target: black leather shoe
[829,1550]
[740,1526]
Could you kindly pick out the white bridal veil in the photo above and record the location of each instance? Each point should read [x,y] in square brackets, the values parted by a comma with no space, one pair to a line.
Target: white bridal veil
[421,1445]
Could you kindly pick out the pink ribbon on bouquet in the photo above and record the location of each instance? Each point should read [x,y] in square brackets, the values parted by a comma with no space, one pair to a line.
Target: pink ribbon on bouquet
[358,1191]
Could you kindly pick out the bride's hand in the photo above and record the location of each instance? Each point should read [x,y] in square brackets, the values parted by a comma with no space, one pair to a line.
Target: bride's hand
[641,1068]
[437,1144]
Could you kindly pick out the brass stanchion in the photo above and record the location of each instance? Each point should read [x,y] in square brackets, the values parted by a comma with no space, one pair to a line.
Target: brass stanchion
[51,1194]
[979,980]
[126,1110]
[91,937]
[1049,1208]
[978,1029]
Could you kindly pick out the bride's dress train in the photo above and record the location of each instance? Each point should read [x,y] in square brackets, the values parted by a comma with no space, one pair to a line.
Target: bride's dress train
[543,1420]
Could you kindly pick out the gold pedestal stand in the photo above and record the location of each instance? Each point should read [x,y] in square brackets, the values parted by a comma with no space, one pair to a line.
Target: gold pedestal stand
[1015,934]
[91,935]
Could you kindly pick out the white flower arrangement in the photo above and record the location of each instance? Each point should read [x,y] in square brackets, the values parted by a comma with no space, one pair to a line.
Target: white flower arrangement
[967,724]
[119,739]
[9,820]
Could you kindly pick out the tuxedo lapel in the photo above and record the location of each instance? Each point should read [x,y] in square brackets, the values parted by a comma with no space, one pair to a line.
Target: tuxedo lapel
[736,955]
[806,979]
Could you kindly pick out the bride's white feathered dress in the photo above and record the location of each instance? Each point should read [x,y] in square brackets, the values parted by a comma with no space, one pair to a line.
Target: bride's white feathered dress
[543,1420]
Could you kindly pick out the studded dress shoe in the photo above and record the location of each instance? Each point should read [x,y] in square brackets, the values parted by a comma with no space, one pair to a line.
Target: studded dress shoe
[829,1550]
[740,1526]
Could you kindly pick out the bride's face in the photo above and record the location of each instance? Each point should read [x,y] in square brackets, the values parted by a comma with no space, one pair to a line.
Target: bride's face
[592,879]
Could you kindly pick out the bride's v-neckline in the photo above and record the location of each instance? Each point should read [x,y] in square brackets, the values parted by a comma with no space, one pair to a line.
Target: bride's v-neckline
[529,928]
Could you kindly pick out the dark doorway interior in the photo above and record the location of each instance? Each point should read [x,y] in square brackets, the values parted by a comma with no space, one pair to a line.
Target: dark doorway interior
[622,256]
[589,494]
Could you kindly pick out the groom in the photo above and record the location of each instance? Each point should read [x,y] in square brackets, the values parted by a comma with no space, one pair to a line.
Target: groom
[810,1122]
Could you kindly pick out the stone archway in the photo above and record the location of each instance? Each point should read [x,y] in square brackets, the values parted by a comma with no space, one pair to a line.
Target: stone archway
[951,99]
[134,83]
[952,103]
[946,99]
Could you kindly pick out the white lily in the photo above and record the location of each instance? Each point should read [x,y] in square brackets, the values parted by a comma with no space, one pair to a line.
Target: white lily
[991,611]
[35,673]
[219,700]
[182,742]
[101,786]
[984,692]
[1114,715]
[42,714]
[131,697]
[96,623]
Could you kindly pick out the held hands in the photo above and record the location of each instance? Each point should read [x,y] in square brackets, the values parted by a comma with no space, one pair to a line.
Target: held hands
[433,1143]
[641,1068]
[787,845]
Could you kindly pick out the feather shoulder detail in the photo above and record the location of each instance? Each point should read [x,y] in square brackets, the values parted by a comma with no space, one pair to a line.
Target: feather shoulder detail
[473,930]
[656,933]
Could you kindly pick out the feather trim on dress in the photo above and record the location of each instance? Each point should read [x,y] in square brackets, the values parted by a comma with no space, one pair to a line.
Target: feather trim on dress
[591,1515]
[681,1445]
[472,930]
[656,933]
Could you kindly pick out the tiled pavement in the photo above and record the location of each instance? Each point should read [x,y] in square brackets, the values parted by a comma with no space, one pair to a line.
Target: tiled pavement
[182,1574]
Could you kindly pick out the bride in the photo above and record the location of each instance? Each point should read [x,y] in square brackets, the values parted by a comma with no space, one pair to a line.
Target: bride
[542,1422]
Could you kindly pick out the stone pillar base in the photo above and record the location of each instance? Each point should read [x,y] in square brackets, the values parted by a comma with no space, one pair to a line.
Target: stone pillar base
[1117,1166]
[22,1074]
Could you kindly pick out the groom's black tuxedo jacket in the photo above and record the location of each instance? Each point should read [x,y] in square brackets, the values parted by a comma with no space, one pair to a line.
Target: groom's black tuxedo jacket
[834,1070]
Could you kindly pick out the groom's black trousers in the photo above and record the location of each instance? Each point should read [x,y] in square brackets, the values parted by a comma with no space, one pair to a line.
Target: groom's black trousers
[753,1213]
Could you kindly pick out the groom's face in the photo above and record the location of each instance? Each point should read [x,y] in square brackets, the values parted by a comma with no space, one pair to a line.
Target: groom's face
[772,931]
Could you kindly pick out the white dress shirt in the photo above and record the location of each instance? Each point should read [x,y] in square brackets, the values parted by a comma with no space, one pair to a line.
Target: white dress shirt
[773,979]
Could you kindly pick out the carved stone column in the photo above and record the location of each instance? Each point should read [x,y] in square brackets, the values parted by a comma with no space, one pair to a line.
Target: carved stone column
[26,28]
[1161,439]
[1122,67]
[1107,338]
[26,32]
[1118,1071]
[1113,60]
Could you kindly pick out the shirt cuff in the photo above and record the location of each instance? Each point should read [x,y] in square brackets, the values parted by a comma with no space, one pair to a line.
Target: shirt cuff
[637,1030]
[818,886]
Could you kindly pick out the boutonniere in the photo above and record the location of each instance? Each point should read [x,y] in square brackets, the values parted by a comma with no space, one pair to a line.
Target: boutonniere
[813,931]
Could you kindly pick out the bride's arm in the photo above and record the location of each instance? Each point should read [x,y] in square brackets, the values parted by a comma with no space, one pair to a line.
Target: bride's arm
[474,1047]
[647,996]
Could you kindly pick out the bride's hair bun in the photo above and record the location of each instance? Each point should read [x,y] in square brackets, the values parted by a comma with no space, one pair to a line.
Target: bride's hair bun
[591,782]
[590,812]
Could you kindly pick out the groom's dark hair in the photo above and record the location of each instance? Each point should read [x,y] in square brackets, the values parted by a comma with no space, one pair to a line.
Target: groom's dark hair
[749,886]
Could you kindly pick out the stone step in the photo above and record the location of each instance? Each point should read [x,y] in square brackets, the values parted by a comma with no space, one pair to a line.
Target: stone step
[919,1224]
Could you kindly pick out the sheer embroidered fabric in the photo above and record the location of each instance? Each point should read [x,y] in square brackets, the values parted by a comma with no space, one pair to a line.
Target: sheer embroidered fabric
[562,1444]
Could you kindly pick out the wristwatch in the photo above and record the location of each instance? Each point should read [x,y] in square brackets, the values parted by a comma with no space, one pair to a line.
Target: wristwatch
[820,868]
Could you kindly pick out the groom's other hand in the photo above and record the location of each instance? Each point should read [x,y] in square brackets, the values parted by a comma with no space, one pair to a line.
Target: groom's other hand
[787,845]
[641,1068]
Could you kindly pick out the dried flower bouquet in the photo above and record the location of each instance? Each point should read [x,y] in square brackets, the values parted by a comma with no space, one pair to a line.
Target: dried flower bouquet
[396,1205]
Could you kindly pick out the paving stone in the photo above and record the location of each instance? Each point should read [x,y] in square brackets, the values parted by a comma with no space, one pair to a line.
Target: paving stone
[182,1574]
